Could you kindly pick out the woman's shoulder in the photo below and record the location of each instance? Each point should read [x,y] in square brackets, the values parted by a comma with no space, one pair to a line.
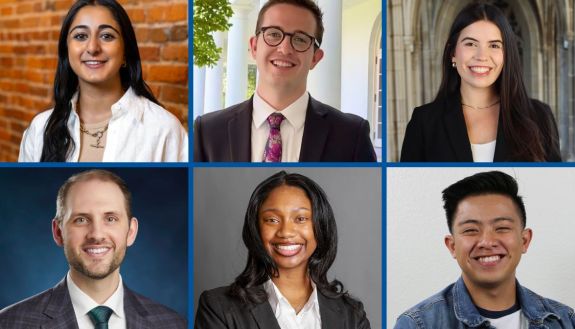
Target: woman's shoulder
[153,111]
[41,118]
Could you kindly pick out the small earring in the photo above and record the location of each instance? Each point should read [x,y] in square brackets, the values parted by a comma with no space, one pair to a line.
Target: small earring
[453,64]
[124,64]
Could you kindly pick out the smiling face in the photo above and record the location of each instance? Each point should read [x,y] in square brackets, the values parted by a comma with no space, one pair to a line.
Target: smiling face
[479,55]
[488,240]
[95,230]
[286,227]
[96,47]
[281,68]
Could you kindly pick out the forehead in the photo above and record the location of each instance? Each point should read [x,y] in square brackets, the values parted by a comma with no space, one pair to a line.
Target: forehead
[95,195]
[93,17]
[287,195]
[290,18]
[486,208]
[481,30]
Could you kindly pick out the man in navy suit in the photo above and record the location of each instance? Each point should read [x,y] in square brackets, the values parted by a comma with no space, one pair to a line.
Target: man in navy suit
[94,225]
[282,122]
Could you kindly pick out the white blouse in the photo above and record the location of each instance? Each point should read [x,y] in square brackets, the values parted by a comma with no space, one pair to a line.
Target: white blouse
[483,152]
[139,131]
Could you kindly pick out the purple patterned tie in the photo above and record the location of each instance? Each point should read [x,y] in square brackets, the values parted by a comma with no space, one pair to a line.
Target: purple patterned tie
[273,151]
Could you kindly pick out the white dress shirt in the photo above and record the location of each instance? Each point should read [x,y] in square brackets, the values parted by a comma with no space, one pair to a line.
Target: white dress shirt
[82,304]
[139,131]
[483,152]
[309,316]
[291,128]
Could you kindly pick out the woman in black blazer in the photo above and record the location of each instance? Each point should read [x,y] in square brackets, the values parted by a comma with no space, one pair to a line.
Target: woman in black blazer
[482,112]
[291,236]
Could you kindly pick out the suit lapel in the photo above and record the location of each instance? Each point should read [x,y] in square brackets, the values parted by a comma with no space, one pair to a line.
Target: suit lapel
[239,133]
[59,310]
[136,313]
[501,151]
[315,132]
[331,315]
[264,316]
[454,124]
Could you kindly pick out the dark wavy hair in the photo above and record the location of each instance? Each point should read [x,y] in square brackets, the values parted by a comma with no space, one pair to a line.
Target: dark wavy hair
[260,267]
[58,142]
[525,130]
[492,182]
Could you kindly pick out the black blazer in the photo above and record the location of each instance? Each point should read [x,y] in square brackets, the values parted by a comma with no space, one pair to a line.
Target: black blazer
[218,310]
[437,132]
[329,135]
[52,309]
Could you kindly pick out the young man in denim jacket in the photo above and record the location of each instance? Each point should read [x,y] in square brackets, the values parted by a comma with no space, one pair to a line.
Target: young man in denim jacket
[486,219]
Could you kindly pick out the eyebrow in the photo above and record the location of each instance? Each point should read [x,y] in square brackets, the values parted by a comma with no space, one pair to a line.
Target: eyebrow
[100,27]
[276,209]
[473,39]
[493,221]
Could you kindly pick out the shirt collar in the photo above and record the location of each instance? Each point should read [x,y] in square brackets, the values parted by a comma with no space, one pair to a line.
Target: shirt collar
[83,303]
[122,107]
[275,298]
[294,113]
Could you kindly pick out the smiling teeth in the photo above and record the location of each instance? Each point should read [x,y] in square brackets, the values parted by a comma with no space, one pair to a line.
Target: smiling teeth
[479,69]
[96,250]
[93,62]
[290,247]
[489,259]
[282,64]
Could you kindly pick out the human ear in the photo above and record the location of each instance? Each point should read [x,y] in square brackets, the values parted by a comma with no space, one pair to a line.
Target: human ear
[317,56]
[57,232]
[450,244]
[526,237]
[132,232]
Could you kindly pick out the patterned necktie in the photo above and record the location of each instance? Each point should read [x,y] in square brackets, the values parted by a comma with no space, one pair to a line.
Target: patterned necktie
[100,316]
[273,151]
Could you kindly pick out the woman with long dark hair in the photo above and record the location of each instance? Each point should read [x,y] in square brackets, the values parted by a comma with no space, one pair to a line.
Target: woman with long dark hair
[291,236]
[482,112]
[104,111]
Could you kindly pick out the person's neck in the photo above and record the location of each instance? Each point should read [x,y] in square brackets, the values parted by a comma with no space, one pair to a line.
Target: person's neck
[99,290]
[279,99]
[295,286]
[95,102]
[478,97]
[498,297]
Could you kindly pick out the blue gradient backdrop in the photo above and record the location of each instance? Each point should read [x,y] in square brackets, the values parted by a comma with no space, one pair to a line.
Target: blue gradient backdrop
[155,266]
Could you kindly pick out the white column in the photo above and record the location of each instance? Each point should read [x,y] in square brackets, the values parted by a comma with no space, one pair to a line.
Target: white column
[199,80]
[324,81]
[237,55]
[215,80]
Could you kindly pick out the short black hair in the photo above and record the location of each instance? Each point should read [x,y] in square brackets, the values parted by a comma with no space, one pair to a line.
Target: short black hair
[492,182]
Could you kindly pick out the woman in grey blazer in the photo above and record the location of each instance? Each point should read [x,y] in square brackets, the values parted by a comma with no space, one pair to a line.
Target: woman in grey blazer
[291,237]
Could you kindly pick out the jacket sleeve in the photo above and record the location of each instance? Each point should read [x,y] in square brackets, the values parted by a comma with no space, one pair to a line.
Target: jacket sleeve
[364,151]
[209,314]
[405,322]
[198,150]
[552,150]
[412,149]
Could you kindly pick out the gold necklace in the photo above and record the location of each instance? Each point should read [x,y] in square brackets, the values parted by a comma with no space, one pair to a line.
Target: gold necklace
[98,134]
[482,108]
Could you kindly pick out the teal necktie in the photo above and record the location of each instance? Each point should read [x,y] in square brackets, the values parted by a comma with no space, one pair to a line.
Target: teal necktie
[100,316]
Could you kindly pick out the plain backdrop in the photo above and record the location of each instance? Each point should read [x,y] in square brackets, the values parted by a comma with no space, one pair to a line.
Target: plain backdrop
[221,197]
[155,266]
[418,263]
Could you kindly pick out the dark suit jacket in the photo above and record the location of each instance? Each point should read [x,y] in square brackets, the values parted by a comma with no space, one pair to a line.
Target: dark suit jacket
[217,310]
[329,135]
[437,132]
[52,309]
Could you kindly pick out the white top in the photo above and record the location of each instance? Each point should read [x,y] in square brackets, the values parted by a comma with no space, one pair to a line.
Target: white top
[483,152]
[515,320]
[291,128]
[309,316]
[139,131]
[83,303]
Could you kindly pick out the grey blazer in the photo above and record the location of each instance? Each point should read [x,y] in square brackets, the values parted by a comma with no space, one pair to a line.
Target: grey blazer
[218,310]
[52,309]
[329,135]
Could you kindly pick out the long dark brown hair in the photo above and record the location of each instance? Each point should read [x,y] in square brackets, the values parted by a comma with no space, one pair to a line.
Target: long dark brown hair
[528,132]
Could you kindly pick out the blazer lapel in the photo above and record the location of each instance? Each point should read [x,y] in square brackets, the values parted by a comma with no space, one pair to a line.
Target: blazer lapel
[454,124]
[331,315]
[501,151]
[59,310]
[239,133]
[264,316]
[136,314]
[315,132]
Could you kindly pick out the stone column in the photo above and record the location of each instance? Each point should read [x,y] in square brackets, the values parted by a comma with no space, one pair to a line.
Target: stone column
[199,80]
[215,80]
[237,54]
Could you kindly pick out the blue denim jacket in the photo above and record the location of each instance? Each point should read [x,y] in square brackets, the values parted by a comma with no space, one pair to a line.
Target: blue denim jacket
[453,308]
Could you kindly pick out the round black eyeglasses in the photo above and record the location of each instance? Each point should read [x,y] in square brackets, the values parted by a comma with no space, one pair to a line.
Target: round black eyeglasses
[300,41]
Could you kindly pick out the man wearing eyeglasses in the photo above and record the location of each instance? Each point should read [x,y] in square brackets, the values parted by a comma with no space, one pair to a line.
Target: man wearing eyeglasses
[282,122]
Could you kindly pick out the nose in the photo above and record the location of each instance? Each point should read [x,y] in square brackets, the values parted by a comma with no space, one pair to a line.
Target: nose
[96,231]
[487,239]
[93,46]
[286,229]
[481,54]
[285,46]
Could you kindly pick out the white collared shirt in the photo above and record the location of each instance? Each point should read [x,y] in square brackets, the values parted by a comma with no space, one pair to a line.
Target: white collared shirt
[139,131]
[291,128]
[309,316]
[82,304]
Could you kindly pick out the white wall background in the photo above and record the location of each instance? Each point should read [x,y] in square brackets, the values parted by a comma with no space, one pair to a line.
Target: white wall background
[418,263]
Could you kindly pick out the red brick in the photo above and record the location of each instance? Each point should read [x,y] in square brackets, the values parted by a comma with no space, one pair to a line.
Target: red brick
[179,33]
[168,73]
[150,53]
[158,35]
[175,53]
[174,94]
[136,15]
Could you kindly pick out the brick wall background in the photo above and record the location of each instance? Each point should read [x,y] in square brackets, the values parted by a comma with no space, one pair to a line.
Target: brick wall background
[29,32]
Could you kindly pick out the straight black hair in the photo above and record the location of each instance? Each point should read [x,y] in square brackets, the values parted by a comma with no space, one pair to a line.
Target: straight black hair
[58,143]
